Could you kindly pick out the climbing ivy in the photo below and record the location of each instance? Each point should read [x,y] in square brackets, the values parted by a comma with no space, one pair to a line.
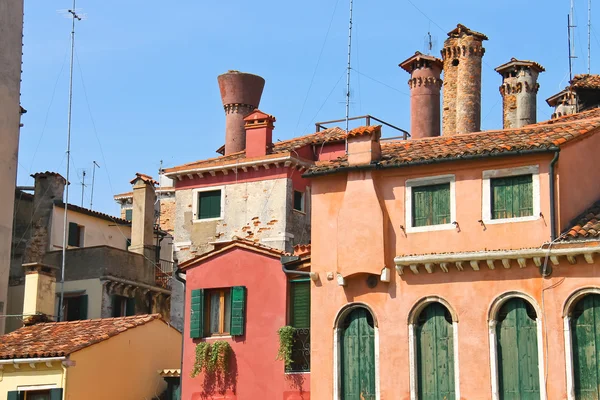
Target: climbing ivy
[286,342]
[211,358]
[202,351]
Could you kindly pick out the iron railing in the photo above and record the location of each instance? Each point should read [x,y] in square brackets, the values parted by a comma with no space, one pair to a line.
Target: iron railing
[301,351]
[164,272]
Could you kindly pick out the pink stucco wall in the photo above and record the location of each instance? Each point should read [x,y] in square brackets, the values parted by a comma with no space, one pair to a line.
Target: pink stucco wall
[258,374]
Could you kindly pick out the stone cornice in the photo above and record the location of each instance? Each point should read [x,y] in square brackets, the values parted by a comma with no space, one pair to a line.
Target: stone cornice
[462,51]
[512,88]
[235,108]
[426,81]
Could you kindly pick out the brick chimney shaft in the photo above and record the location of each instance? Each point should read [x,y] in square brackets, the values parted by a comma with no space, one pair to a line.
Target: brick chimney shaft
[142,219]
[240,93]
[425,85]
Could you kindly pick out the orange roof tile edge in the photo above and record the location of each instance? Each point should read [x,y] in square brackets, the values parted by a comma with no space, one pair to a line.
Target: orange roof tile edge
[365,130]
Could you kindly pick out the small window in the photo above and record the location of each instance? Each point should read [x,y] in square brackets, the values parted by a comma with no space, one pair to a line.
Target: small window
[75,235]
[512,196]
[209,204]
[300,320]
[217,312]
[37,395]
[123,306]
[75,308]
[298,201]
[431,205]
[128,214]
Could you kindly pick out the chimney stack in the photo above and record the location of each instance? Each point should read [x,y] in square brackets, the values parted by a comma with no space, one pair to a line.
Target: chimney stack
[49,187]
[462,54]
[40,293]
[240,93]
[142,220]
[364,146]
[519,92]
[425,85]
[259,133]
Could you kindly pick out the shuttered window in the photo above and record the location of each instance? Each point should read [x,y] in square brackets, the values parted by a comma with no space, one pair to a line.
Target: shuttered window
[585,330]
[197,313]
[209,204]
[74,235]
[512,196]
[298,201]
[238,310]
[123,306]
[128,215]
[300,304]
[217,312]
[431,205]
[75,308]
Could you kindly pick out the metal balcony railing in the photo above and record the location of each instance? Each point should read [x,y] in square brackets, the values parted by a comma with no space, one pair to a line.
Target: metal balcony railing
[164,272]
[301,351]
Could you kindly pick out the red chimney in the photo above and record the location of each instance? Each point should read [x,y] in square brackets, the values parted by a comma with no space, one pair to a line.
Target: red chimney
[259,133]
[240,93]
[425,85]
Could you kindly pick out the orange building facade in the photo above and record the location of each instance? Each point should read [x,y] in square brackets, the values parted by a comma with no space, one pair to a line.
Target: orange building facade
[459,266]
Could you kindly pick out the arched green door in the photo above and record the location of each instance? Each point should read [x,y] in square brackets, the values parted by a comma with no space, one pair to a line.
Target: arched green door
[585,330]
[435,353]
[517,347]
[358,356]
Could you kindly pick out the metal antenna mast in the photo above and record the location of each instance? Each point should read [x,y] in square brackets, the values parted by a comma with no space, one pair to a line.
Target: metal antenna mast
[82,187]
[74,17]
[570,54]
[93,179]
[572,36]
[589,69]
[348,70]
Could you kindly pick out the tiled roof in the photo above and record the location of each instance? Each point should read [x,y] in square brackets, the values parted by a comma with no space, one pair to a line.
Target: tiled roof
[170,373]
[57,339]
[407,64]
[365,130]
[327,135]
[130,194]
[92,213]
[586,225]
[586,81]
[520,63]
[544,136]
[143,177]
[461,29]
[48,173]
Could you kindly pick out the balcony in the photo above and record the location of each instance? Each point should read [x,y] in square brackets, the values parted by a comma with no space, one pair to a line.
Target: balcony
[164,274]
[301,351]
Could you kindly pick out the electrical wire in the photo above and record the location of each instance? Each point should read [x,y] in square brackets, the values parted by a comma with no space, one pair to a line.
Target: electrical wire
[326,99]
[380,82]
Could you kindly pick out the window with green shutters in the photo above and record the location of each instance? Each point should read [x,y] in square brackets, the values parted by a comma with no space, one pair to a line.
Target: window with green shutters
[75,307]
[512,196]
[300,304]
[128,214]
[209,204]
[217,312]
[431,205]
[52,394]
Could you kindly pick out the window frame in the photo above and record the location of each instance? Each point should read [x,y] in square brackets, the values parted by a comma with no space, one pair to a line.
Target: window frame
[80,236]
[429,181]
[486,194]
[195,203]
[222,312]
[128,214]
[303,201]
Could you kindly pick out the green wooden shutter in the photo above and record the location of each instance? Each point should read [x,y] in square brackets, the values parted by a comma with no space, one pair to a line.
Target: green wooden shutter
[516,331]
[585,330]
[431,205]
[13,395]
[209,204]
[197,313]
[56,394]
[441,204]
[358,356]
[435,354]
[512,196]
[420,203]
[130,307]
[73,234]
[300,302]
[128,215]
[238,309]
[83,306]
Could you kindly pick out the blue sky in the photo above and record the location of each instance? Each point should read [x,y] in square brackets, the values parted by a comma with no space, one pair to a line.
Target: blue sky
[145,85]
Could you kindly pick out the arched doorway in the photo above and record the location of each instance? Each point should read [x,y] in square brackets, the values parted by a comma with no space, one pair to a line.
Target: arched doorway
[357,355]
[435,353]
[585,337]
[517,350]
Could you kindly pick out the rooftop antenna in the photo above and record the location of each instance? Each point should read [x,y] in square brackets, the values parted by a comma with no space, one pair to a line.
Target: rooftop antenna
[348,71]
[589,32]
[74,16]
[93,179]
[571,57]
[572,27]
[82,186]
[430,43]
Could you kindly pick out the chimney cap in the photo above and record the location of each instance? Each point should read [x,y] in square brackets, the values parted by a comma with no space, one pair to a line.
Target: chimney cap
[372,130]
[407,64]
[462,30]
[48,173]
[514,64]
[257,115]
[240,88]
[144,178]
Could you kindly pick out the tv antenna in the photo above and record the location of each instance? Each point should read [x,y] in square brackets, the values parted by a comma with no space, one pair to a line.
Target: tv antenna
[74,16]
[83,185]
[430,43]
[572,27]
[348,70]
[93,179]
[589,32]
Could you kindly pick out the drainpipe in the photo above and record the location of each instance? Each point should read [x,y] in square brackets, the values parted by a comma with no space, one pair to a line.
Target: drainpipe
[285,260]
[183,282]
[553,196]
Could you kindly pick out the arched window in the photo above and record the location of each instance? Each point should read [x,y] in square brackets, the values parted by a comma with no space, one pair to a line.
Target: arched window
[515,329]
[433,340]
[582,344]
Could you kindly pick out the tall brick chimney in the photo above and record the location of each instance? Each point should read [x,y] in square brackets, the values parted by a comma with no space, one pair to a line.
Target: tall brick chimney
[519,92]
[49,186]
[425,85]
[142,220]
[240,93]
[259,133]
[462,54]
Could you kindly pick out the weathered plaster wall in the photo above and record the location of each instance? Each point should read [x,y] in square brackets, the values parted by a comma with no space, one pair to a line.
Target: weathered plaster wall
[14,307]
[12,378]
[257,375]
[129,361]
[11,20]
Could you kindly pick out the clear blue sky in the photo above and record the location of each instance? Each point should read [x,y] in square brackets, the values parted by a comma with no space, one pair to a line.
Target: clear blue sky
[149,70]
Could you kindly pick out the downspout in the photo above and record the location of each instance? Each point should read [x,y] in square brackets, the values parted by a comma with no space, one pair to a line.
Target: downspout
[64,380]
[553,196]
[183,281]
[285,260]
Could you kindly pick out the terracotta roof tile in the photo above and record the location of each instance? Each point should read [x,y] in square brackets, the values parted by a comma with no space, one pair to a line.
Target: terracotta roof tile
[517,63]
[585,226]
[365,130]
[57,339]
[92,213]
[327,135]
[542,136]
[586,81]
[143,177]
[463,30]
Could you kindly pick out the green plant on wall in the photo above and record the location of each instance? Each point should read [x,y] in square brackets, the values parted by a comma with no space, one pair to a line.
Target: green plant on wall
[286,342]
[211,358]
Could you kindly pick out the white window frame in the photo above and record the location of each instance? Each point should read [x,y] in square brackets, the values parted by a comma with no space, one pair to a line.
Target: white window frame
[35,388]
[486,194]
[195,193]
[303,209]
[427,181]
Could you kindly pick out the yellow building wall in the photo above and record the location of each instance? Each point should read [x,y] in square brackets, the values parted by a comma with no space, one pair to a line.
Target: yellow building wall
[125,366]
[12,378]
